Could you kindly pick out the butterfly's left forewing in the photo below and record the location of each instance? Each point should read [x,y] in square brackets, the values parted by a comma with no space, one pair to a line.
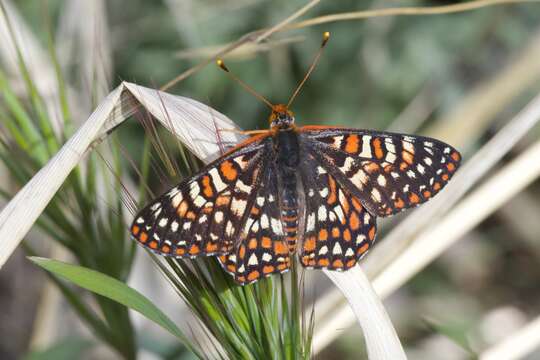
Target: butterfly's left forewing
[204,214]
[388,172]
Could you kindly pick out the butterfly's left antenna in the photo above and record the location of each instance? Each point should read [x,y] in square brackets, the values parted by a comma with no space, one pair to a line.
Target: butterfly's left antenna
[221,64]
[326,37]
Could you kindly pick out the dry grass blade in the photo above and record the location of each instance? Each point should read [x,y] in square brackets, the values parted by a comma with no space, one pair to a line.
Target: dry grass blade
[381,338]
[20,213]
[517,345]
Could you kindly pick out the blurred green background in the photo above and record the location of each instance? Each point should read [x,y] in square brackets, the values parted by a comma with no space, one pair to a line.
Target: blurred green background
[406,73]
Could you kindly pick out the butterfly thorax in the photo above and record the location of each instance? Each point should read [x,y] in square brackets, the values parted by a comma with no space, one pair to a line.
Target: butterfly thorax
[287,158]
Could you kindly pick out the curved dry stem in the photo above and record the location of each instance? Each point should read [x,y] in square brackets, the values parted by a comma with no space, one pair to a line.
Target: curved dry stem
[434,10]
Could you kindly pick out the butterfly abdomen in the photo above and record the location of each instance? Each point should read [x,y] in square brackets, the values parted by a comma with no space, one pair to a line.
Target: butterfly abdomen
[288,159]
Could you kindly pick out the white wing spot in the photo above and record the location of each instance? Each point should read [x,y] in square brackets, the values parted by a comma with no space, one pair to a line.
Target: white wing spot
[253,260]
[162,222]
[174,226]
[217,181]
[323,250]
[381,180]
[337,249]
[376,195]
[322,213]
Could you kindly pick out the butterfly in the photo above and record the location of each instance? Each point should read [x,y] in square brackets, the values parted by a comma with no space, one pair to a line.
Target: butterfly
[311,192]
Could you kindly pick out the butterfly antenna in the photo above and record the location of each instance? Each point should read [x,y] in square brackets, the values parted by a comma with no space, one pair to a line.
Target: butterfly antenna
[326,37]
[221,64]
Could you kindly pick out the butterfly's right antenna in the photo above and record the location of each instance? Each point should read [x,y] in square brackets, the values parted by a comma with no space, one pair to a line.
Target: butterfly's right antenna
[326,37]
[221,64]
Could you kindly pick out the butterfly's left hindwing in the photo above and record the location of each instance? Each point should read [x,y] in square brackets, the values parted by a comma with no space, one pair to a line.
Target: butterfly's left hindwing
[262,248]
[204,214]
[388,172]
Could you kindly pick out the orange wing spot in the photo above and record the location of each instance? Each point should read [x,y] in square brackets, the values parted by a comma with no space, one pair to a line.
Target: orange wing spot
[135,229]
[427,194]
[445,177]
[309,244]
[332,198]
[311,262]
[357,205]
[207,187]
[323,262]
[305,260]
[242,251]
[266,242]
[194,250]
[223,200]
[351,145]
[371,167]
[407,156]
[180,251]
[351,263]
[252,243]
[211,247]
[182,208]
[414,198]
[403,166]
[268,269]
[228,170]
[323,234]
[388,211]
[451,167]
[436,186]
[378,149]
[280,248]
[282,266]
[363,249]
[191,215]
[455,156]
[388,168]
[153,244]
[253,275]
[354,221]
[144,237]
[371,233]
[399,203]
[338,264]
[347,235]
[255,210]
[335,232]
[345,205]
[241,278]
[166,249]
[289,228]
[231,267]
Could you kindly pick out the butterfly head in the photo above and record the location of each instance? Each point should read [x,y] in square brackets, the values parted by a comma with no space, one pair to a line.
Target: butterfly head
[281,117]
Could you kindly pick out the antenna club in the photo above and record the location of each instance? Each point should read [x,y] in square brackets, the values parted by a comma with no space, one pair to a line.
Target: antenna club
[221,64]
[326,37]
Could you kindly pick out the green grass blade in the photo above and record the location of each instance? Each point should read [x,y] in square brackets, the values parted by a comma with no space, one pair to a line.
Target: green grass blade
[113,289]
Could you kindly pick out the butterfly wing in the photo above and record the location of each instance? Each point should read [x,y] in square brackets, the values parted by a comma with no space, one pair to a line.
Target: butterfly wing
[262,248]
[204,214]
[338,229]
[388,172]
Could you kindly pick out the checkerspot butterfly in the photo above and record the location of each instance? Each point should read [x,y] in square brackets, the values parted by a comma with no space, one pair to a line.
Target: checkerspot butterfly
[313,192]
